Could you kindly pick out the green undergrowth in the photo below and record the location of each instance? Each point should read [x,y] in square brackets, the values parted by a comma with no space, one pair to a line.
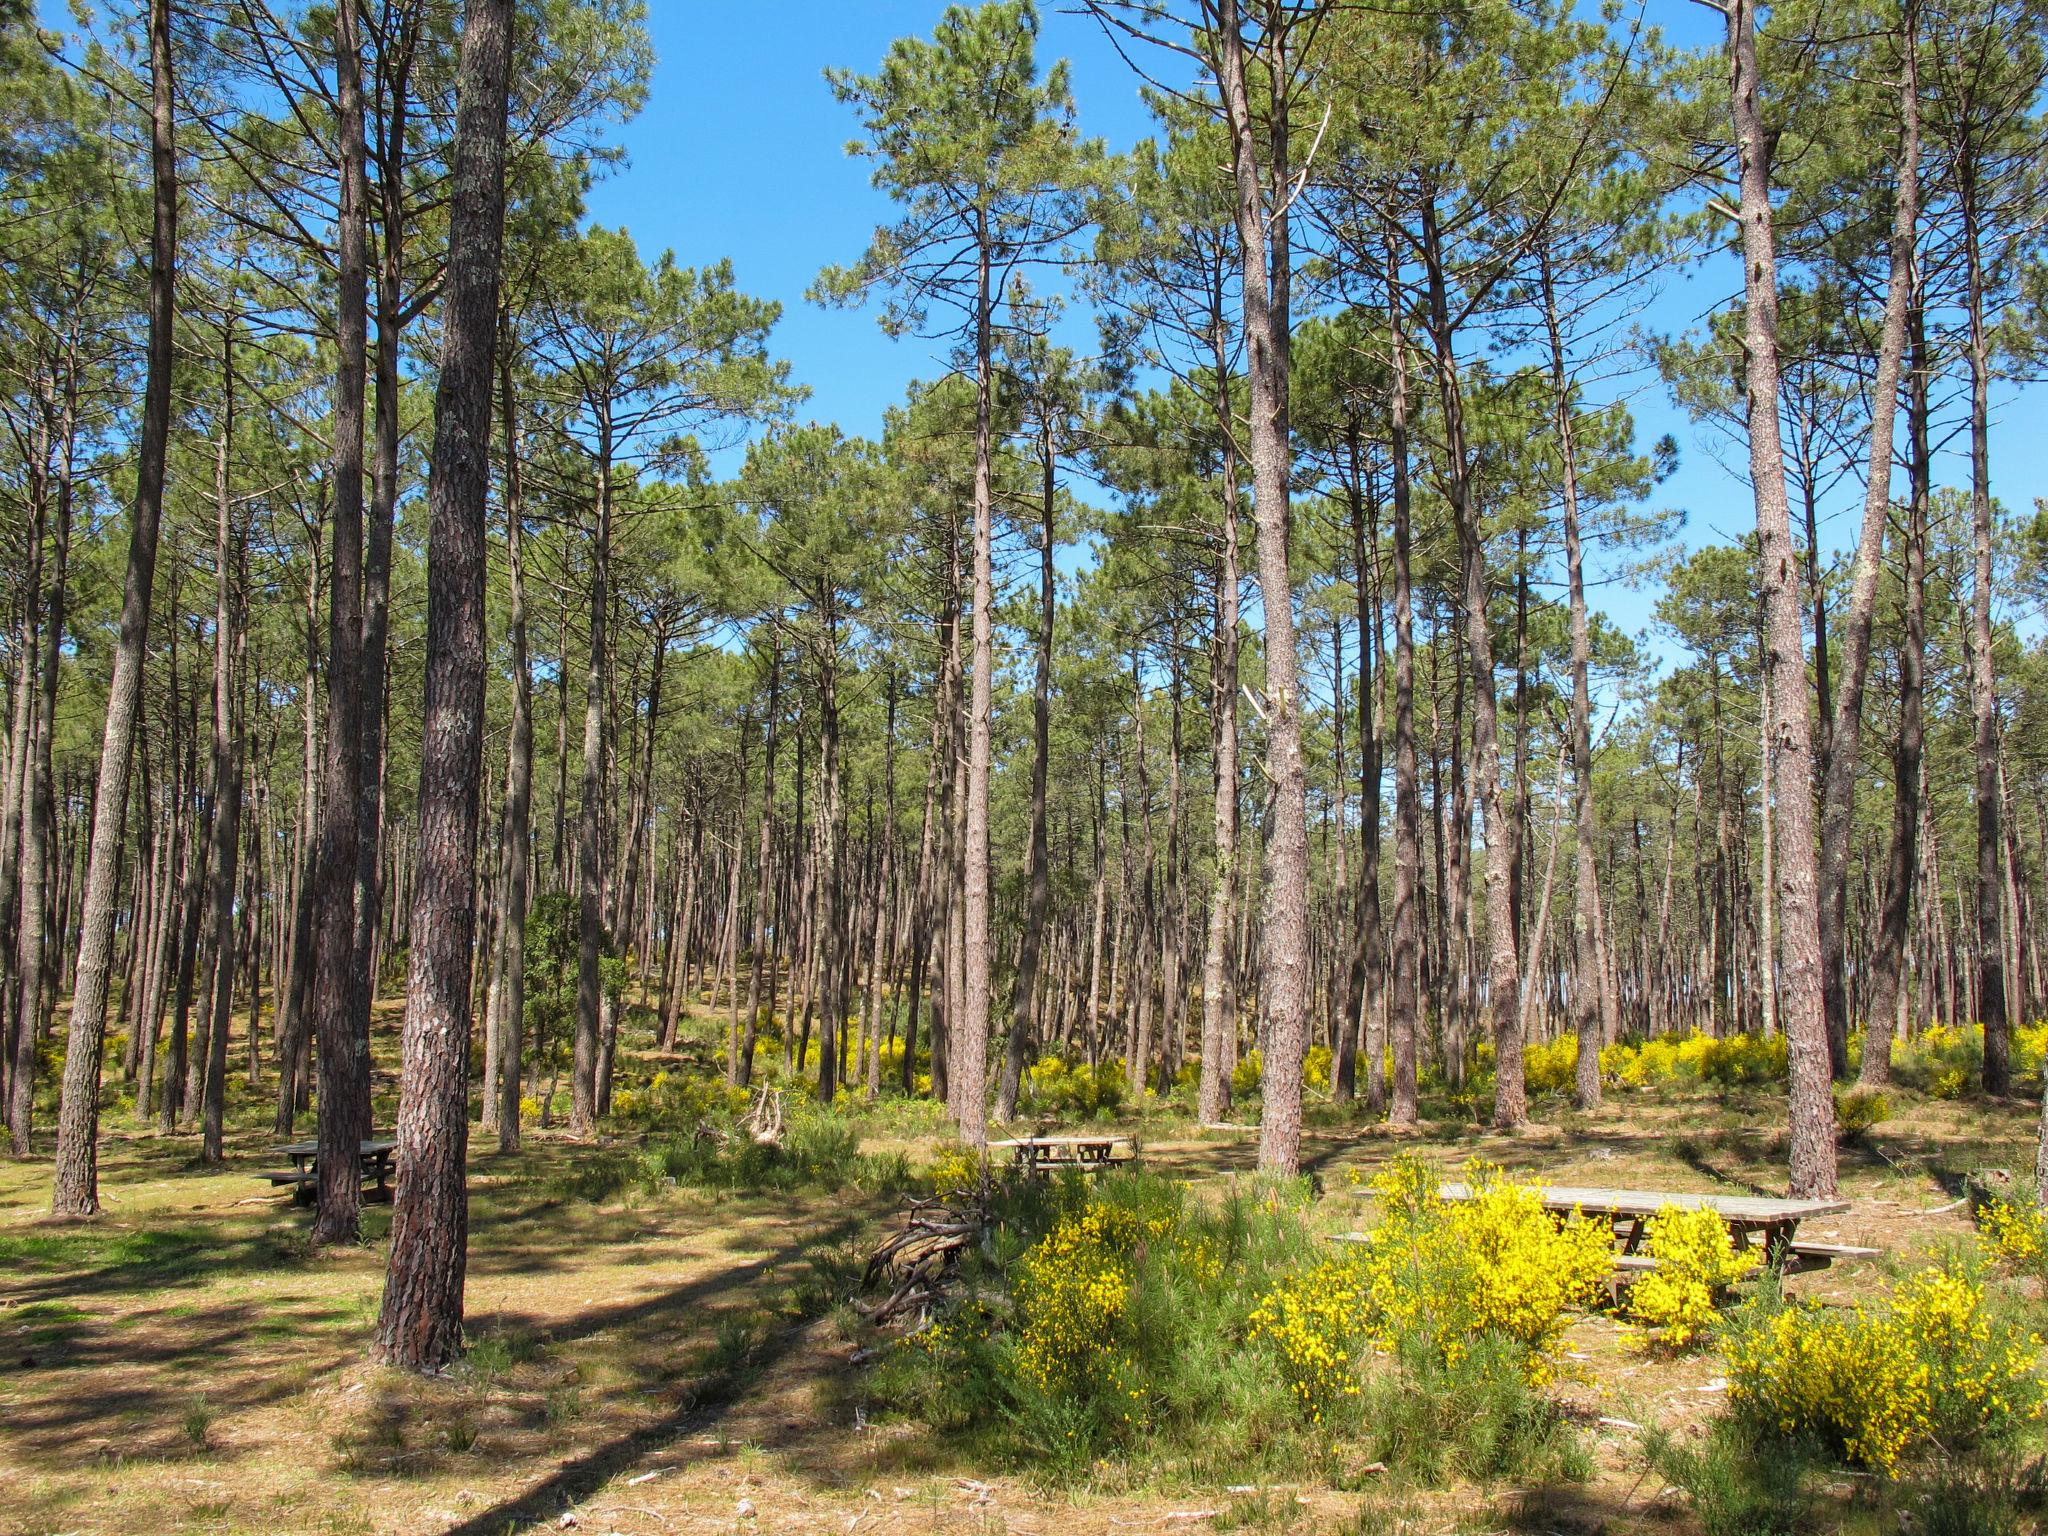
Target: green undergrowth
[1133,1333]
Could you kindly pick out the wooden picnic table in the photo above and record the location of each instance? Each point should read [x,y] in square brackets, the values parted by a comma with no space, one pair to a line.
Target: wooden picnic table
[1749,1218]
[302,1175]
[1090,1154]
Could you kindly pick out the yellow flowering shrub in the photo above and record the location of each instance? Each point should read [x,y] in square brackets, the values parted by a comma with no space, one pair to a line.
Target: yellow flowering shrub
[2030,1048]
[2017,1233]
[1552,1066]
[953,1168]
[1246,1076]
[1943,1060]
[1696,1263]
[1312,1320]
[1444,1274]
[1316,1067]
[1073,1086]
[1737,1060]
[1877,1383]
[1070,1291]
[1842,1377]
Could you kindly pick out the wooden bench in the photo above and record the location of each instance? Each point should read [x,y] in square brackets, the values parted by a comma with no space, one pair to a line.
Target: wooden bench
[1752,1221]
[302,1182]
[303,1178]
[1084,1154]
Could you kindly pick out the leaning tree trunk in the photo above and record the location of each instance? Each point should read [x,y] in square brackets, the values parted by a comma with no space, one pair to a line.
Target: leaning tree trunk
[339,1026]
[1500,821]
[1587,962]
[1888,956]
[1812,1105]
[76,1188]
[421,1324]
[1838,789]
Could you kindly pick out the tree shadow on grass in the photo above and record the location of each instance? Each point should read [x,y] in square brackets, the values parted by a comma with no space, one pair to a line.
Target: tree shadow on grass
[704,1404]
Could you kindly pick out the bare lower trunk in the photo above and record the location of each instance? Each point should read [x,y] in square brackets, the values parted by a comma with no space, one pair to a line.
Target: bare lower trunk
[1219,1029]
[1038,859]
[420,1327]
[1812,1107]
[518,798]
[1844,733]
[1888,956]
[1265,246]
[1404,992]
[339,1023]
[75,1191]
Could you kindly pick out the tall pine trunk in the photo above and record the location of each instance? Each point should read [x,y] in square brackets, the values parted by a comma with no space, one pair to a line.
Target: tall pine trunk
[340,1020]
[1265,247]
[75,1191]
[1812,1105]
[1844,732]
[421,1324]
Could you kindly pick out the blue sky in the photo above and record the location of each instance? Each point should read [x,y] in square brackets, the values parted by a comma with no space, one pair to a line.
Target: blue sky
[741,153]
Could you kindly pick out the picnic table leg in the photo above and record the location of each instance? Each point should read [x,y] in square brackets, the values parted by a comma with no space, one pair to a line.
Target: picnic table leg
[1778,1244]
[1634,1238]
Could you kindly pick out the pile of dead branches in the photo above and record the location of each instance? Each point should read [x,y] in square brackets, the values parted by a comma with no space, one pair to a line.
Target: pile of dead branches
[917,1264]
[763,1119]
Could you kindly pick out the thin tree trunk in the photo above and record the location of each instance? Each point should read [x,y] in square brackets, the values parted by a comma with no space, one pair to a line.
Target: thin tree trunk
[1404,995]
[1844,732]
[75,1190]
[1038,860]
[1219,1031]
[227,768]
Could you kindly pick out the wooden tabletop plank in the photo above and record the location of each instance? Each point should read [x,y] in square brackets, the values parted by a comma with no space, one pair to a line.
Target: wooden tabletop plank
[1061,1141]
[1647,1202]
[312,1148]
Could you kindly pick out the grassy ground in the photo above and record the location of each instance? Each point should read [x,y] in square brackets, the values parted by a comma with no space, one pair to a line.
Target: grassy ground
[681,1360]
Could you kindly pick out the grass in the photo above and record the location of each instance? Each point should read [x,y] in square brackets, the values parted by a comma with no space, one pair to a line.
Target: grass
[186,1364]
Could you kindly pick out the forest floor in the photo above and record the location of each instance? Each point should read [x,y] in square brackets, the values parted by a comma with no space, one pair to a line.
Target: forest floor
[683,1361]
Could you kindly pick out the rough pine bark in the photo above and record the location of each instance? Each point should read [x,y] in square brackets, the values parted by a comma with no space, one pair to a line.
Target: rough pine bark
[968,1032]
[1219,1027]
[518,797]
[1038,860]
[1812,1104]
[589,839]
[341,1038]
[1265,247]
[1586,960]
[227,773]
[75,1191]
[1902,857]
[1404,983]
[421,1324]
[1844,731]
[1990,897]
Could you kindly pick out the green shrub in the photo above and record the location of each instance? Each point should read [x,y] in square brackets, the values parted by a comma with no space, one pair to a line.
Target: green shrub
[1110,1323]
[1738,1485]
[1933,1365]
[1858,1112]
